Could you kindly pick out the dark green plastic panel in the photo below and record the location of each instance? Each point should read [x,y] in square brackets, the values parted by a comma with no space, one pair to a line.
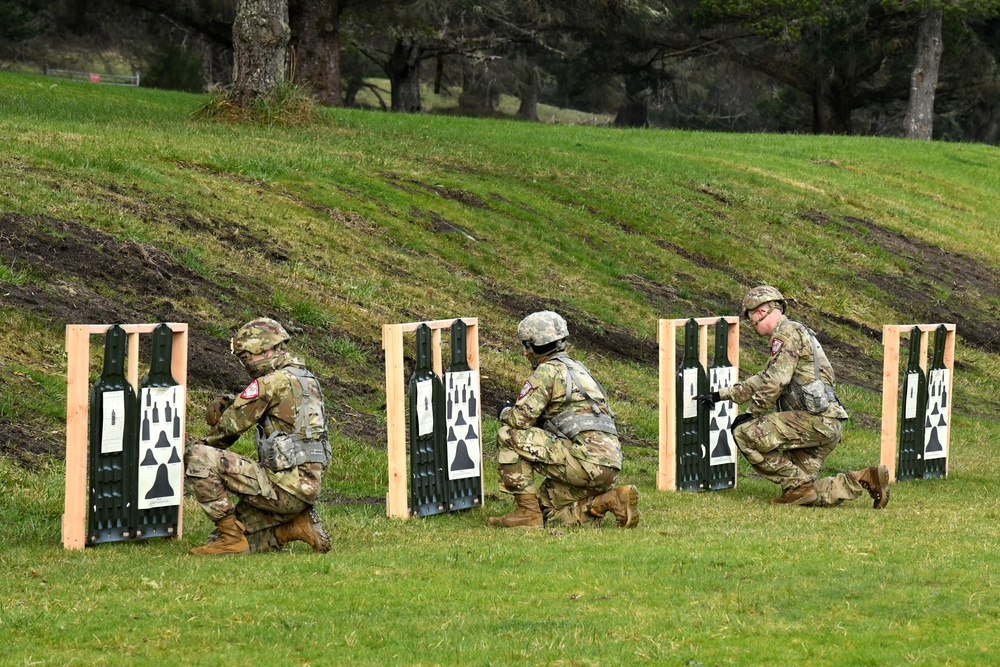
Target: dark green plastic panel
[692,419]
[158,484]
[721,446]
[910,463]
[936,423]
[112,446]
[428,454]
[464,441]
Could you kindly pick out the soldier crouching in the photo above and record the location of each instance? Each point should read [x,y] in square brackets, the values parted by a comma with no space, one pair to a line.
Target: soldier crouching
[561,429]
[276,493]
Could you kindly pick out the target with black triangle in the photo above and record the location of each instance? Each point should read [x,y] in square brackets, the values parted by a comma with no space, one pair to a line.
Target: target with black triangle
[159,487]
[465,453]
[721,374]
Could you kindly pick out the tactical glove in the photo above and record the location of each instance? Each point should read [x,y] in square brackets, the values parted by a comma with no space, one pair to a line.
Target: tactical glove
[213,413]
[708,401]
[504,406]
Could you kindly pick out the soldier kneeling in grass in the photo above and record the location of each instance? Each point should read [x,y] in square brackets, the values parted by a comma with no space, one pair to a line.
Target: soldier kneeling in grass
[562,429]
[277,492]
[795,418]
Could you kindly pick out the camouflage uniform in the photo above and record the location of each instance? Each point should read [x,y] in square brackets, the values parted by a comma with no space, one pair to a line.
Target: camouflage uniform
[286,400]
[788,446]
[575,469]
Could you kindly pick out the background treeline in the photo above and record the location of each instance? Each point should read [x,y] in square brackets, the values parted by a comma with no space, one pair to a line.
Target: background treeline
[918,68]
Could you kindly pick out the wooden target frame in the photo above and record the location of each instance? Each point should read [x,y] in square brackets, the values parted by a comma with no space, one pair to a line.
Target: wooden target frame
[74,519]
[397,498]
[890,385]
[666,337]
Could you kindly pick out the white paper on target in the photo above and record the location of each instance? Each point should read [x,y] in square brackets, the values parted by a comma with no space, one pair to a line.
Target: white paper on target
[690,391]
[912,382]
[113,422]
[425,407]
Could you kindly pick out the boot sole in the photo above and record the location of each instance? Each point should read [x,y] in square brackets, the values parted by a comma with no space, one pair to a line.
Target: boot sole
[883,485]
[632,509]
[323,538]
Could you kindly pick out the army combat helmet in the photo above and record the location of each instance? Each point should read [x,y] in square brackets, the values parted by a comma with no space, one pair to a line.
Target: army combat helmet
[758,296]
[542,334]
[542,328]
[257,337]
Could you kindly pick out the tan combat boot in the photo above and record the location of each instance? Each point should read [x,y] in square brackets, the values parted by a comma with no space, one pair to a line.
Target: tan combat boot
[231,539]
[875,480]
[800,495]
[623,501]
[527,514]
[305,526]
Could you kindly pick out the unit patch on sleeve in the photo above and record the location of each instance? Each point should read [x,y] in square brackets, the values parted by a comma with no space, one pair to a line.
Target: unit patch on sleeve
[776,344]
[252,391]
[525,390]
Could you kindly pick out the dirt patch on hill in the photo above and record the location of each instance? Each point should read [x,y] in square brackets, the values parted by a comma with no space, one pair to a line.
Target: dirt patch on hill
[938,285]
[19,444]
[92,278]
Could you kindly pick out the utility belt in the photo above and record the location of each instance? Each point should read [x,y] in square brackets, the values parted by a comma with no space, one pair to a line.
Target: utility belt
[281,451]
[568,424]
[814,397]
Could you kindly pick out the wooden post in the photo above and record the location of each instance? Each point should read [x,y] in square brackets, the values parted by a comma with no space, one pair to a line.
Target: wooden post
[395,406]
[397,500]
[74,520]
[890,386]
[890,397]
[666,337]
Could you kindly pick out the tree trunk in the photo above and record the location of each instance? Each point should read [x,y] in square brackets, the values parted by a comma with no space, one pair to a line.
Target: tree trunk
[635,111]
[530,90]
[919,123]
[260,49]
[403,68]
[480,95]
[315,28]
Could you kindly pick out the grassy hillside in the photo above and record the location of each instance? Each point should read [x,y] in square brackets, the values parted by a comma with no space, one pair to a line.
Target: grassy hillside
[115,207]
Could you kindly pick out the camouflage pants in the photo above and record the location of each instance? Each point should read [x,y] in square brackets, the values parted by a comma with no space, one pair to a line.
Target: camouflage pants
[789,448]
[211,474]
[570,484]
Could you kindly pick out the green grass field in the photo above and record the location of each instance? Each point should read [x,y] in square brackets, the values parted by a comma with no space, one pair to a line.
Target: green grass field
[116,206]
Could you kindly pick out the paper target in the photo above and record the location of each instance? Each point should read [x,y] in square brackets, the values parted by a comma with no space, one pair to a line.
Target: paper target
[721,447]
[160,466]
[936,423]
[113,422]
[463,423]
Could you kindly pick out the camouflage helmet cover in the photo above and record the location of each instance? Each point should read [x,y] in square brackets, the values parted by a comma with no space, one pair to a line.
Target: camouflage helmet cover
[758,296]
[258,336]
[542,328]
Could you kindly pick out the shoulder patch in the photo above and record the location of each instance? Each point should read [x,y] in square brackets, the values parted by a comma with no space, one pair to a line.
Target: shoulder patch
[525,390]
[776,344]
[252,391]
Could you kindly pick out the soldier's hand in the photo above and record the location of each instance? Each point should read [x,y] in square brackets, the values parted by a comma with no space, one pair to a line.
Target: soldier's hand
[213,413]
[504,406]
[740,419]
[708,401]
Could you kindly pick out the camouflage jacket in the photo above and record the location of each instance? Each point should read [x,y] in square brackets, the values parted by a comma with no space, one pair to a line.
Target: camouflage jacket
[544,396]
[272,403]
[791,357]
